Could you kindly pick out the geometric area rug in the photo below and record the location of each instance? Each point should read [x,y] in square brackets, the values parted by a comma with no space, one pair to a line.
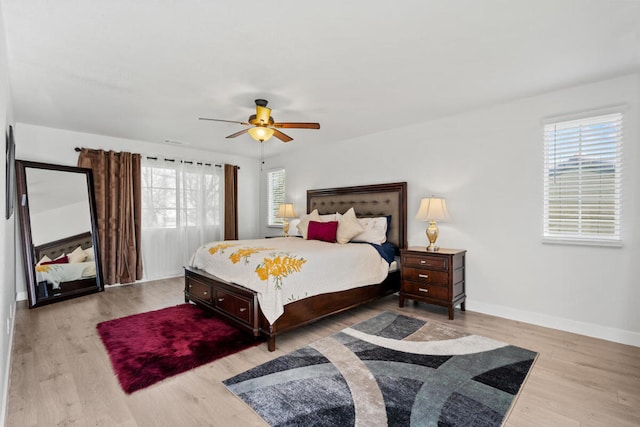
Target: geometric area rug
[389,370]
[148,347]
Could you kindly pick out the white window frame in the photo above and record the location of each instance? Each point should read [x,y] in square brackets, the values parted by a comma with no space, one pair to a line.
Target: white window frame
[583,178]
[149,207]
[276,195]
[180,205]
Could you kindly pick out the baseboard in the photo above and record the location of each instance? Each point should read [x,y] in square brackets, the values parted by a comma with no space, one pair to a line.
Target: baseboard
[583,328]
[22,296]
[7,368]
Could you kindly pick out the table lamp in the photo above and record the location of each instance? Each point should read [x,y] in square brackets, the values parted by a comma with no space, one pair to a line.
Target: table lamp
[286,211]
[432,209]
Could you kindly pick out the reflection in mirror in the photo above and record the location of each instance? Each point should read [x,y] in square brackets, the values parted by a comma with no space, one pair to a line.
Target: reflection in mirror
[60,245]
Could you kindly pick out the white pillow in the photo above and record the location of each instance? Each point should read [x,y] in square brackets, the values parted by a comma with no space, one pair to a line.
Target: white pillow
[43,259]
[303,225]
[91,255]
[78,255]
[328,217]
[348,226]
[375,230]
[293,227]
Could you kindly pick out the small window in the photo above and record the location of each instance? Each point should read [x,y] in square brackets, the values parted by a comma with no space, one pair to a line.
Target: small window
[276,181]
[582,180]
[159,197]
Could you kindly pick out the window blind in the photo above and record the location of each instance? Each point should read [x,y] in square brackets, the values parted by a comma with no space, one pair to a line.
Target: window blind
[276,181]
[583,179]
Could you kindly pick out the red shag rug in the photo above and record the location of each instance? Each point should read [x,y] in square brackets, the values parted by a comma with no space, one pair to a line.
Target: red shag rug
[149,347]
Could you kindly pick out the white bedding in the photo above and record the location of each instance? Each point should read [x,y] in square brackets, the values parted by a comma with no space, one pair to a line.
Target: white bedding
[283,270]
[57,273]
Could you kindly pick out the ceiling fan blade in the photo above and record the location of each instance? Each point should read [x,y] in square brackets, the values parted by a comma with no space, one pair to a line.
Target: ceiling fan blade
[281,136]
[243,131]
[297,125]
[226,121]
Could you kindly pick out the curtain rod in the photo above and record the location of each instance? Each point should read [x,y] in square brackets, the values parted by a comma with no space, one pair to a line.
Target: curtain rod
[189,162]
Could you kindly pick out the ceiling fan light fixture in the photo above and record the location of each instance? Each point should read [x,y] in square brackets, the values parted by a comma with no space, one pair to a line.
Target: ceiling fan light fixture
[262,126]
[260,133]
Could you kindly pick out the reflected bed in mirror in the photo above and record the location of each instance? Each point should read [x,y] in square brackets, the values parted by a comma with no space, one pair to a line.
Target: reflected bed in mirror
[58,227]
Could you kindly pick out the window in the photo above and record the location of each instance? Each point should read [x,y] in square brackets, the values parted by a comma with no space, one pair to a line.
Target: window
[180,195]
[582,180]
[182,209]
[159,197]
[275,195]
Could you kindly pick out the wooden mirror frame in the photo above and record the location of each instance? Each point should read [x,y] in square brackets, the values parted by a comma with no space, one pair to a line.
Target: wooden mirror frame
[28,249]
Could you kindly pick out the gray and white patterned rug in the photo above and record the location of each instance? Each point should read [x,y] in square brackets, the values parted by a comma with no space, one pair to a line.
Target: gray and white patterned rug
[389,370]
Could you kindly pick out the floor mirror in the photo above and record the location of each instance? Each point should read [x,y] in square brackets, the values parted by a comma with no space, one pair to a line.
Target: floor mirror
[58,227]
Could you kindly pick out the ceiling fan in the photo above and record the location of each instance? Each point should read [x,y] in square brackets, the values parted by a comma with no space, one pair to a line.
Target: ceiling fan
[263,126]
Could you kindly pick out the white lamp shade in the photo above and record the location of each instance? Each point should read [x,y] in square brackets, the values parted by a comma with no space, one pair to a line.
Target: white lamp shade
[286,210]
[260,133]
[432,209]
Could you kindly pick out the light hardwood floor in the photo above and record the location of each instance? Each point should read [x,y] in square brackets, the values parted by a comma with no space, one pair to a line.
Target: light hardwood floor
[61,374]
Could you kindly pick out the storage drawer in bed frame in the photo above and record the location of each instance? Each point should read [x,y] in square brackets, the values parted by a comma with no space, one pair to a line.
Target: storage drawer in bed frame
[228,300]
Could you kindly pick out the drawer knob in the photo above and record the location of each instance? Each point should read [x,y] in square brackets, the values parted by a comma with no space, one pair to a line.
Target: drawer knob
[423,276]
[220,299]
[423,261]
[423,290]
[205,293]
[243,309]
[190,286]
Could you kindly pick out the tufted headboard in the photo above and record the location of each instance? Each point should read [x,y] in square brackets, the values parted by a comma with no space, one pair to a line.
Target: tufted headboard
[62,246]
[368,201]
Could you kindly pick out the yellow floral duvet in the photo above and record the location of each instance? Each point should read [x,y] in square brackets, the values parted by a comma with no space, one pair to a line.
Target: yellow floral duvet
[286,269]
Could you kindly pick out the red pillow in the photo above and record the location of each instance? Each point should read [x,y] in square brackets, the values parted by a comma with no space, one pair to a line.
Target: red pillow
[61,260]
[325,231]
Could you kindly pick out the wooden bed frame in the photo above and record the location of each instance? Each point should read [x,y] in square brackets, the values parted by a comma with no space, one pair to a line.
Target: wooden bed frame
[240,305]
[58,247]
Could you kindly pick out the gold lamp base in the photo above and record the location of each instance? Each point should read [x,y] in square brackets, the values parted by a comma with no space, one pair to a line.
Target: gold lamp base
[432,235]
[285,228]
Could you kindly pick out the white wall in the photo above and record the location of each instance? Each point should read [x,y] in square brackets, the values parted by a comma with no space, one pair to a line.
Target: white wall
[488,164]
[50,145]
[7,233]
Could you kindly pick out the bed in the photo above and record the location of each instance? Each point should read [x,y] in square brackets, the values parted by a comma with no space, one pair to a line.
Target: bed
[240,304]
[59,278]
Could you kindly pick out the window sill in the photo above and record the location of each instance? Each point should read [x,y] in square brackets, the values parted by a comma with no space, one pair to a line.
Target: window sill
[581,242]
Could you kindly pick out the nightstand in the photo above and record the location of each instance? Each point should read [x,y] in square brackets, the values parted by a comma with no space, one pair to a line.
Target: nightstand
[433,277]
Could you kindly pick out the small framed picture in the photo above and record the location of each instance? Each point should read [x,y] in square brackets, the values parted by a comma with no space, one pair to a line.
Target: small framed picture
[10,171]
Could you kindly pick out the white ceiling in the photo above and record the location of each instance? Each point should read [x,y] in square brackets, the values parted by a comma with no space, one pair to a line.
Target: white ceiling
[147,69]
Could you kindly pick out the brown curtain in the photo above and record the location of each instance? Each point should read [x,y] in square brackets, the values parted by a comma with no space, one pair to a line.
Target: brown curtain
[118,193]
[230,202]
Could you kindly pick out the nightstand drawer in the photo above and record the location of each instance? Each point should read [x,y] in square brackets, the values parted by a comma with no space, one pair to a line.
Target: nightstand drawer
[424,290]
[199,290]
[234,305]
[426,261]
[425,276]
